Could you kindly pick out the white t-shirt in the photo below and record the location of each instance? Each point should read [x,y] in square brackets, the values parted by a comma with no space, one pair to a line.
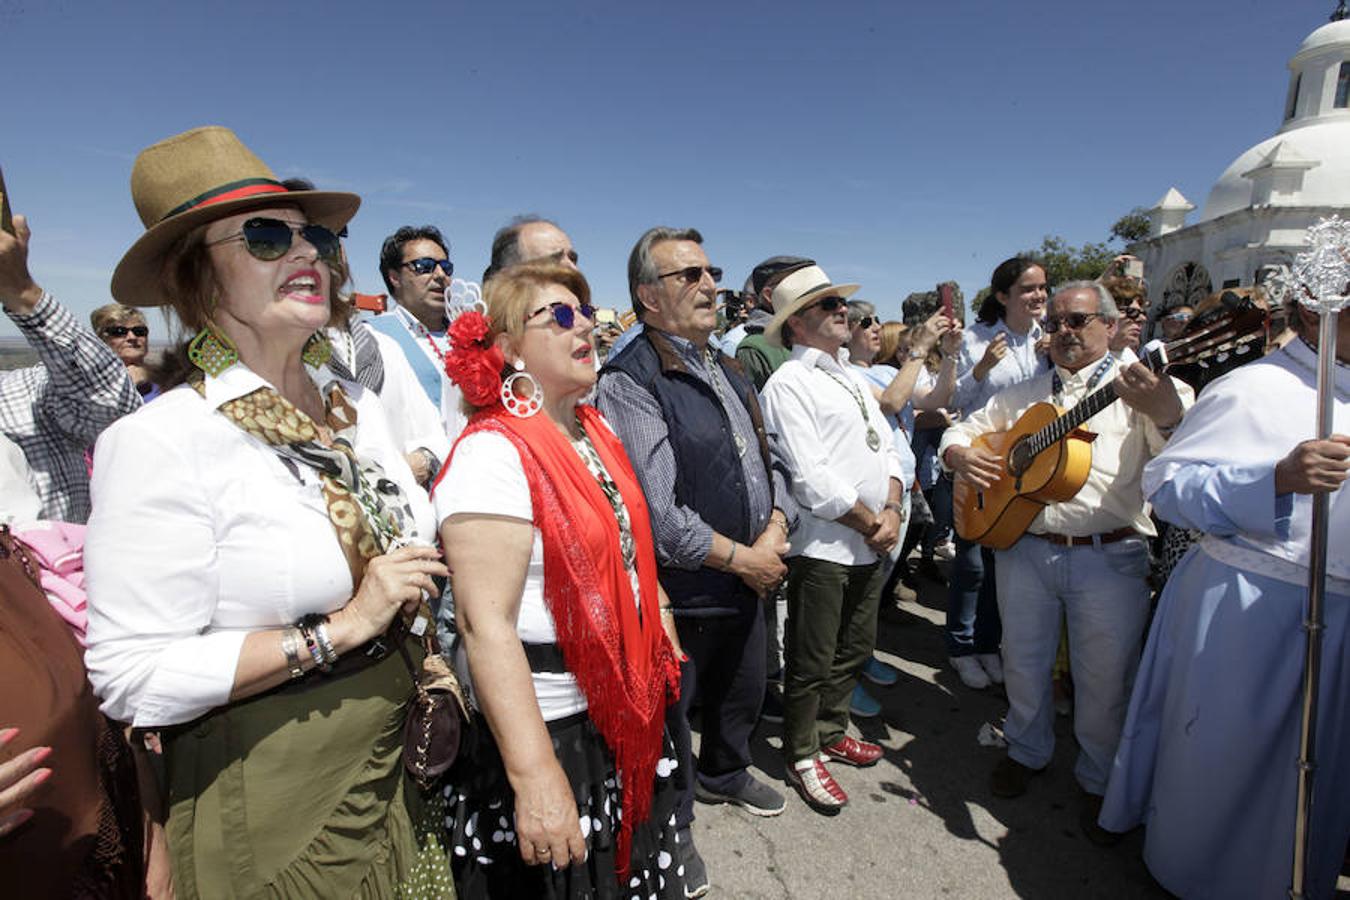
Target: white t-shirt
[486,477]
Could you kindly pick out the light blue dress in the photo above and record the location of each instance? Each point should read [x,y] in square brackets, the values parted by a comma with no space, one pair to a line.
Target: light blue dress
[1208,753]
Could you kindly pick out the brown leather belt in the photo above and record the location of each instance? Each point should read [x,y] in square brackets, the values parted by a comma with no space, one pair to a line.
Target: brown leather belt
[1067,540]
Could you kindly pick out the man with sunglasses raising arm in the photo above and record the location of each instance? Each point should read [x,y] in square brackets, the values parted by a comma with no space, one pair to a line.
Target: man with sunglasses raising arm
[690,422]
[55,410]
[1084,559]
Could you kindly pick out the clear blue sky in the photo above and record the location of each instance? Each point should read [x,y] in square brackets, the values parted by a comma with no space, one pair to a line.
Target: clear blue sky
[898,143]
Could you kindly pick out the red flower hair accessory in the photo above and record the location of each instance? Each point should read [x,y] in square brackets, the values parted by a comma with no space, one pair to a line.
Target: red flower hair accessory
[474,364]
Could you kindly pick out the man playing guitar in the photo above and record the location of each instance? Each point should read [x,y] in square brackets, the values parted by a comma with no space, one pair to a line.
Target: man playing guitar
[1084,559]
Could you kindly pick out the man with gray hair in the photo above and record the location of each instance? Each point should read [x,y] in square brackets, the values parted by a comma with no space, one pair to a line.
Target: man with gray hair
[720,511]
[1085,559]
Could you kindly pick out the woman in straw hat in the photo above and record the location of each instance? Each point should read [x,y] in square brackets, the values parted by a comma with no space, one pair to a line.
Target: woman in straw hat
[249,560]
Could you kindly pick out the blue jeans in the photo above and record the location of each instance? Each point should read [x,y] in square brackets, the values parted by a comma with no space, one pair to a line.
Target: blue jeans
[1102,594]
[940,502]
[973,624]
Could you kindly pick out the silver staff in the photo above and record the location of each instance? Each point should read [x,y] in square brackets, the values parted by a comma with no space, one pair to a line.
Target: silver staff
[1320,278]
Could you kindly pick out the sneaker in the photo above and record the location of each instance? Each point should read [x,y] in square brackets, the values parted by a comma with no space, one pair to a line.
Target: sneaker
[863,705]
[945,551]
[755,797]
[880,674]
[772,710]
[854,752]
[1010,778]
[972,673]
[695,872]
[992,664]
[817,786]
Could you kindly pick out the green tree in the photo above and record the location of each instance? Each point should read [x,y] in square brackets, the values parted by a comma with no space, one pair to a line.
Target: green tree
[1065,262]
[1131,227]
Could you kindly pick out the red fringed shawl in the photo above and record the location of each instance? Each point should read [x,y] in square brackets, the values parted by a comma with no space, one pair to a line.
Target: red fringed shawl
[622,660]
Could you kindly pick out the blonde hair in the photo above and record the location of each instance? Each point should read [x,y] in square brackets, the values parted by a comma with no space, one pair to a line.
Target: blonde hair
[114,314]
[510,295]
[892,336]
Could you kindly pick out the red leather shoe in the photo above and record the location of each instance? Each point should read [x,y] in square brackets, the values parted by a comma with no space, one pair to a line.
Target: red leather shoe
[817,786]
[853,751]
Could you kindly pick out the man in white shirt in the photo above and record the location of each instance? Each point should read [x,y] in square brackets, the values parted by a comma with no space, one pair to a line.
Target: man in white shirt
[846,477]
[415,263]
[1084,559]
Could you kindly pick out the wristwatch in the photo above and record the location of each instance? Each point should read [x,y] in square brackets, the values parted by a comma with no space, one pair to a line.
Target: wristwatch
[918,354]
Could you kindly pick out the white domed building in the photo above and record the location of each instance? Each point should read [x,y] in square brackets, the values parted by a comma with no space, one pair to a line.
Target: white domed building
[1258,211]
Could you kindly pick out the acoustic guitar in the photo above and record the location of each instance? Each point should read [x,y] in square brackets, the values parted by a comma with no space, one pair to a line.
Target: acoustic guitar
[1047,454]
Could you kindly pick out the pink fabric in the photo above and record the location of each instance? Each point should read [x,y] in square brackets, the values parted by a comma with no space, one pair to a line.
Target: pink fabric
[58,550]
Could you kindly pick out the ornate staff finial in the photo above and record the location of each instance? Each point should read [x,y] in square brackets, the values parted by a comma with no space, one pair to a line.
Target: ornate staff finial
[1340,12]
[1323,271]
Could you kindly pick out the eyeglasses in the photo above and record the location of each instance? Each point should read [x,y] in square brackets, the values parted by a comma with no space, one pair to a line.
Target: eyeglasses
[425,265]
[1178,317]
[1074,321]
[829,304]
[269,239]
[124,330]
[1133,313]
[867,322]
[694,274]
[565,314]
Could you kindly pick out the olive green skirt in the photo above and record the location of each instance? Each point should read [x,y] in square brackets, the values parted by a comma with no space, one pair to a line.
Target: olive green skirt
[301,792]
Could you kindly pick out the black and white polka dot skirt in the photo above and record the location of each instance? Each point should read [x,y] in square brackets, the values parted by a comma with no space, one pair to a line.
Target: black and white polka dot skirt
[480,818]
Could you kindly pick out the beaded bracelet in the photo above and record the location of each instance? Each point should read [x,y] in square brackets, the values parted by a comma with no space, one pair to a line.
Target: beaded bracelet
[308,629]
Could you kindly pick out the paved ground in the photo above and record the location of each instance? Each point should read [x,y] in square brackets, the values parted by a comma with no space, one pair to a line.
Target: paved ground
[922,823]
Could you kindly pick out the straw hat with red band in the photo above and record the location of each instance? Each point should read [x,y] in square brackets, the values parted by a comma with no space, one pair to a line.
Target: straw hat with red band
[197,177]
[795,292]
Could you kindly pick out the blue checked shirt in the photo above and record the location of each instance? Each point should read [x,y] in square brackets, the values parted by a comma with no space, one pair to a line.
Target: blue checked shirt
[55,410]
[683,539]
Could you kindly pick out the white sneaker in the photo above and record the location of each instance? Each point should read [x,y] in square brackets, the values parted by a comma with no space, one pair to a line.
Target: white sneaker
[992,664]
[972,673]
[945,550]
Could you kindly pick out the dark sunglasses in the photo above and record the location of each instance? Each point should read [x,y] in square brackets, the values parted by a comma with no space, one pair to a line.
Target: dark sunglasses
[269,239]
[866,322]
[1133,313]
[124,330]
[829,304]
[1074,321]
[565,314]
[425,265]
[694,274]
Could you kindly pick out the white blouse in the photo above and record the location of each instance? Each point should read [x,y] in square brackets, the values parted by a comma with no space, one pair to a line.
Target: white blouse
[201,534]
[486,477]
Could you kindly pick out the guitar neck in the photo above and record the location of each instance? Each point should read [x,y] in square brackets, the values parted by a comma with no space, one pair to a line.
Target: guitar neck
[1091,405]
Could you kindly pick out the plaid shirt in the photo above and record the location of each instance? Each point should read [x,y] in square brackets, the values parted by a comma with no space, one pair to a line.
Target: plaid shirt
[55,410]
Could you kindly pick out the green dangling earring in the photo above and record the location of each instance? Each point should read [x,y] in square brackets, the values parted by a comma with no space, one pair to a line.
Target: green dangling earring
[318,350]
[212,352]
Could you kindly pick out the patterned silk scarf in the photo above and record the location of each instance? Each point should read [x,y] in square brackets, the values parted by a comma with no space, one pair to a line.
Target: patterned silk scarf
[369,510]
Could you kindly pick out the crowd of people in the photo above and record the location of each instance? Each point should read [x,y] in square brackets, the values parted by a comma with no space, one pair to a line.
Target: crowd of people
[323,510]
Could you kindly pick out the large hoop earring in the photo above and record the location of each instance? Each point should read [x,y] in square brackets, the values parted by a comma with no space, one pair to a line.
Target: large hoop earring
[211,351]
[521,407]
[318,351]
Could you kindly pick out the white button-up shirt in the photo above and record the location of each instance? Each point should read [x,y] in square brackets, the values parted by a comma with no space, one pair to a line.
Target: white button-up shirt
[812,403]
[1126,439]
[201,534]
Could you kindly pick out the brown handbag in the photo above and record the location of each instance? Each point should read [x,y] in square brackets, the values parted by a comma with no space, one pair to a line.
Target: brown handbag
[436,714]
